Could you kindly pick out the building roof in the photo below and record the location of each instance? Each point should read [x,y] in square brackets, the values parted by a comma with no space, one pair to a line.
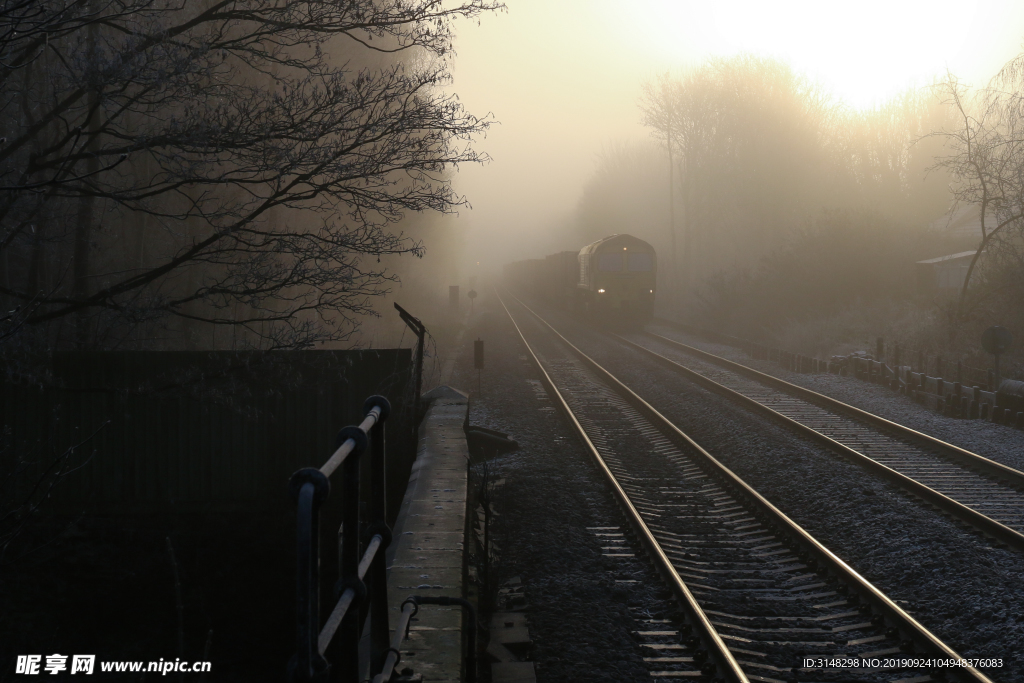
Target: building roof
[949,257]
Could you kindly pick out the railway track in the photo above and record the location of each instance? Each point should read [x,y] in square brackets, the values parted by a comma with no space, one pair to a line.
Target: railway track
[985,494]
[759,594]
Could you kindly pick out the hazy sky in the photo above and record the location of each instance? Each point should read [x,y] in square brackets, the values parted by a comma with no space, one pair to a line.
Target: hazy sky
[563,77]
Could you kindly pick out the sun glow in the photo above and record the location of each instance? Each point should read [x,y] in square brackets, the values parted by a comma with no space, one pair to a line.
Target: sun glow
[863,52]
[564,78]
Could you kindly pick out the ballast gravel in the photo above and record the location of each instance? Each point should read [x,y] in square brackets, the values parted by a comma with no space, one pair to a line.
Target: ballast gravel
[1001,443]
[582,615]
[583,608]
[950,578]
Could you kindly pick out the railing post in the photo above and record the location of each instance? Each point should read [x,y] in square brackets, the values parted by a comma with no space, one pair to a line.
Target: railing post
[309,488]
[343,652]
[380,633]
[331,651]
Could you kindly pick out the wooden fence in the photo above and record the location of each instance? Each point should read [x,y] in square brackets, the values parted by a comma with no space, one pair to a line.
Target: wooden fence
[949,397]
[934,365]
[193,431]
[957,391]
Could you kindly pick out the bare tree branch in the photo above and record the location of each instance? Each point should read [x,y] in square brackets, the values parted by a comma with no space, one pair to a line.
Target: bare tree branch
[220,163]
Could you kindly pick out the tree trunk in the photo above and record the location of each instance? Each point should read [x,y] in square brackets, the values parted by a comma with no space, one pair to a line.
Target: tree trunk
[961,308]
[37,265]
[673,270]
[87,203]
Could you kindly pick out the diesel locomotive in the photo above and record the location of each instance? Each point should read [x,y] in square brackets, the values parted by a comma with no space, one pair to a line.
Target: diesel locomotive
[612,279]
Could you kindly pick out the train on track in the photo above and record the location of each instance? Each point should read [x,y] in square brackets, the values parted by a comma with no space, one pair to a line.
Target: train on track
[612,279]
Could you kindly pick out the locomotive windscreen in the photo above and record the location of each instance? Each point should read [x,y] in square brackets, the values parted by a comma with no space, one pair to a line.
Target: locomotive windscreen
[610,262]
[641,261]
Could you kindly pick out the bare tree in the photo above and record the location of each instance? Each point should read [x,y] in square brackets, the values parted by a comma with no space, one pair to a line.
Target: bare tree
[986,159]
[759,151]
[170,167]
[657,107]
[746,136]
[888,154]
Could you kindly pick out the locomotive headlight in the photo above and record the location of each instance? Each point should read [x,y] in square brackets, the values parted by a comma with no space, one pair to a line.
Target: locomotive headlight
[600,291]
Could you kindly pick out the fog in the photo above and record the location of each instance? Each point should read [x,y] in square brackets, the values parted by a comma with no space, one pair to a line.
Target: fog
[201,202]
[277,195]
[564,80]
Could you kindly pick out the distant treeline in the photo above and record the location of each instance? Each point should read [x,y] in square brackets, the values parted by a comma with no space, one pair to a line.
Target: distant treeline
[776,207]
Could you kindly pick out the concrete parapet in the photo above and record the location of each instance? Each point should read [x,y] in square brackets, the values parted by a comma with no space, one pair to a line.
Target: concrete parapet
[426,557]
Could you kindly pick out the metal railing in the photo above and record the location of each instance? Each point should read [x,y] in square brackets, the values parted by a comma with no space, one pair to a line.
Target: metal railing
[331,652]
[409,609]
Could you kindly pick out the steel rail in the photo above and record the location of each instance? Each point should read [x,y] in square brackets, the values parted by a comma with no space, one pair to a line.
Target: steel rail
[982,522]
[713,642]
[878,599]
[961,455]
